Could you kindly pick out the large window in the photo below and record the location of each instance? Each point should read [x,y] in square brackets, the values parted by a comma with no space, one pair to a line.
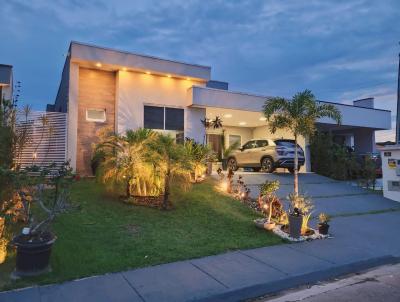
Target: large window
[163,118]
[153,117]
[174,119]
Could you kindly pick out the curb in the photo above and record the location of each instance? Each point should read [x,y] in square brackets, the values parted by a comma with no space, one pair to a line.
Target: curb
[296,281]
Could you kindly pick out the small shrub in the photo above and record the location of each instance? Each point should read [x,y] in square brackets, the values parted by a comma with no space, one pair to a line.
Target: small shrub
[324,218]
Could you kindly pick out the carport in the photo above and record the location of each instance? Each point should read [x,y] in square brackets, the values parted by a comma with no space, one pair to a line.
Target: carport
[242,120]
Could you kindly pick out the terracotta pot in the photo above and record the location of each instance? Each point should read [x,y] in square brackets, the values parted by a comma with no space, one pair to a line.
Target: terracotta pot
[295,223]
[269,226]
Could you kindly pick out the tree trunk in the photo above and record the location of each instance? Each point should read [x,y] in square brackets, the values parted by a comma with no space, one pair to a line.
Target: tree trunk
[296,168]
[166,188]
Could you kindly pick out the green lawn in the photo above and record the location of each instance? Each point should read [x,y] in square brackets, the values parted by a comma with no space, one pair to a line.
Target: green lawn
[106,235]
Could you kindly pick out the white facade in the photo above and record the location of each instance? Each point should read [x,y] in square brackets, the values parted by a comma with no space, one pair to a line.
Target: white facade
[148,81]
[391,172]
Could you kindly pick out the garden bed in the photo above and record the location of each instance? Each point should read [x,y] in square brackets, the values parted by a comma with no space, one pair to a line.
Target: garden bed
[283,232]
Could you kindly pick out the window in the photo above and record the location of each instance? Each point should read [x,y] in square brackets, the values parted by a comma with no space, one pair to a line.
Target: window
[96,115]
[163,118]
[235,138]
[249,145]
[262,143]
[174,119]
[153,117]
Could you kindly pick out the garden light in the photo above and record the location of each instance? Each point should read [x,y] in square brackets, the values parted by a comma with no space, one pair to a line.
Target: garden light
[224,186]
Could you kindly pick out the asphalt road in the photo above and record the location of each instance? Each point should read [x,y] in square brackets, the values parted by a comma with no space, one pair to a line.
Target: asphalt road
[380,284]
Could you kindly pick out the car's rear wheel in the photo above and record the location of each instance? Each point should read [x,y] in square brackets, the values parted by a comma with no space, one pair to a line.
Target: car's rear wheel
[232,164]
[267,165]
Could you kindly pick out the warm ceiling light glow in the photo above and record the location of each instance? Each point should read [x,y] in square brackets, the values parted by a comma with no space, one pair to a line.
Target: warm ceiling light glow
[188,79]
[148,72]
[168,75]
[242,123]
[228,115]
[98,64]
[124,69]
[262,118]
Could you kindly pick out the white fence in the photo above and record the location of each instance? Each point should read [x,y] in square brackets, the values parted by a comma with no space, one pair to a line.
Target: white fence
[46,134]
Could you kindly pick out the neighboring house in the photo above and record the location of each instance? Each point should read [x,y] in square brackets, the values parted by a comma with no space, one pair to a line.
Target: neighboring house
[121,90]
[6,82]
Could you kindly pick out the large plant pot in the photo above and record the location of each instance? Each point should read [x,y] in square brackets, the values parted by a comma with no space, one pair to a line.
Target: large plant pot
[33,257]
[323,228]
[295,223]
[224,164]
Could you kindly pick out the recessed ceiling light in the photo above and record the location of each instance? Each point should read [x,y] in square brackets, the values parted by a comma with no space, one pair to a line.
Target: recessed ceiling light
[98,64]
[228,115]
[187,79]
[262,118]
[124,69]
[242,123]
[148,72]
[168,75]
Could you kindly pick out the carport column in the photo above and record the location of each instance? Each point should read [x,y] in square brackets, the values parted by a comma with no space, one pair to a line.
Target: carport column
[307,155]
[193,126]
[364,140]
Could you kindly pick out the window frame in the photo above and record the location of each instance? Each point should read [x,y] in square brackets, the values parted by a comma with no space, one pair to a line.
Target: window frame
[165,115]
[103,110]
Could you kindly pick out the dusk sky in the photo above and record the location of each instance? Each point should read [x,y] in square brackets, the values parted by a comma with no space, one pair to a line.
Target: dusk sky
[341,50]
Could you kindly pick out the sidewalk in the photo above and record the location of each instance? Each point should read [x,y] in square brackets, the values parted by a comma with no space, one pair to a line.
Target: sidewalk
[361,242]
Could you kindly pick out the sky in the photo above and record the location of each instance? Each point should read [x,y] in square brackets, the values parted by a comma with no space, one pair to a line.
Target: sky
[341,50]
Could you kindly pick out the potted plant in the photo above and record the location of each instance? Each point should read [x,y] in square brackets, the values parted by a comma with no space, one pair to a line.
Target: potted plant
[35,242]
[300,206]
[323,226]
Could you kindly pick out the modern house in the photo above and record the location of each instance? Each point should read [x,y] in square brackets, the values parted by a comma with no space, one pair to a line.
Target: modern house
[6,82]
[122,90]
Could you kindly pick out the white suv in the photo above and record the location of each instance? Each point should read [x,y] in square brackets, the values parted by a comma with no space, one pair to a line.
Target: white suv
[266,155]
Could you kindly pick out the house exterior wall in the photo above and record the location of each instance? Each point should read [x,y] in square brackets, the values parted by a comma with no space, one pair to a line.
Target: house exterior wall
[61,103]
[96,91]
[138,89]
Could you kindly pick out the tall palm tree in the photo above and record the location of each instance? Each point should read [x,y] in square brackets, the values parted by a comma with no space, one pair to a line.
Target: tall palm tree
[298,115]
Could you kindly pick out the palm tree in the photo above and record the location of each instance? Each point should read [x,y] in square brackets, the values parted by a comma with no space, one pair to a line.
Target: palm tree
[198,155]
[172,161]
[127,160]
[298,115]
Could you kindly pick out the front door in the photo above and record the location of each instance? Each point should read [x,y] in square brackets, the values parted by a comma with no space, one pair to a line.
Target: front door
[215,142]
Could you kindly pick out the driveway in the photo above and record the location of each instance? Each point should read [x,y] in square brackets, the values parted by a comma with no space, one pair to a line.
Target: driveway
[330,196]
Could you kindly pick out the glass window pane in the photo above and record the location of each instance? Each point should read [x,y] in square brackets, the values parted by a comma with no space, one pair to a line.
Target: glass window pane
[235,138]
[262,143]
[174,119]
[96,115]
[153,117]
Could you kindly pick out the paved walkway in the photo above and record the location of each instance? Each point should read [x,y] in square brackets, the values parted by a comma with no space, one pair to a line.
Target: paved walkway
[360,242]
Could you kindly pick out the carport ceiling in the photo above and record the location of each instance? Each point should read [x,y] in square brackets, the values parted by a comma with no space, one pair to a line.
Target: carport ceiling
[237,118]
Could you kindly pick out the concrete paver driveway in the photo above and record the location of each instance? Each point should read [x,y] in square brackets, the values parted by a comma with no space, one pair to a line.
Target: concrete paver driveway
[329,196]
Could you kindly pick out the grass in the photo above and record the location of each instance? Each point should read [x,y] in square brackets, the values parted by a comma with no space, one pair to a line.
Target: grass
[106,235]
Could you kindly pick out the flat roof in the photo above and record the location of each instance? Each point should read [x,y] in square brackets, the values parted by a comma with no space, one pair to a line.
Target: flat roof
[83,52]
